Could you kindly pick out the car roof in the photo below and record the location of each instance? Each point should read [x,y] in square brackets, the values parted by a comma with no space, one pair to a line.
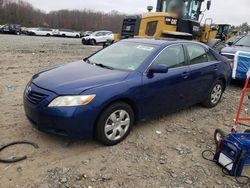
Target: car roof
[163,41]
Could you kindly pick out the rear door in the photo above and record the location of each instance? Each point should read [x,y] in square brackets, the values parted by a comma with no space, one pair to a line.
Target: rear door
[203,66]
[70,33]
[166,92]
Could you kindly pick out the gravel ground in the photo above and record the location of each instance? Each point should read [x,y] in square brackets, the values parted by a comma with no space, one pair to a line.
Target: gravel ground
[163,152]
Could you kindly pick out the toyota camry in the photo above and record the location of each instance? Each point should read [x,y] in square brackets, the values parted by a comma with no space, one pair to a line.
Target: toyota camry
[105,94]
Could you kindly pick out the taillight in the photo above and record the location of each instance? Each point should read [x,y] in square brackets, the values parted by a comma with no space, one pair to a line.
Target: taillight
[232,65]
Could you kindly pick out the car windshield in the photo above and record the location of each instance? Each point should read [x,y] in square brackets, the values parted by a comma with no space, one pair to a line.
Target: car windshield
[93,34]
[233,40]
[123,55]
[245,41]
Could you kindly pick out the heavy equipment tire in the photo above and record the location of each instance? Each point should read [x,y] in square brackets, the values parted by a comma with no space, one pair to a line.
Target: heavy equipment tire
[214,95]
[219,46]
[216,44]
[114,124]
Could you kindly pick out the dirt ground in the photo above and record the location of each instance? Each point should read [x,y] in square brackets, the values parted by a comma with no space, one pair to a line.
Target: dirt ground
[164,152]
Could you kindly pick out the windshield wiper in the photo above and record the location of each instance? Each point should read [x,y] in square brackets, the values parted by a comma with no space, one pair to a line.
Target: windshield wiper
[87,61]
[103,66]
[242,45]
[98,64]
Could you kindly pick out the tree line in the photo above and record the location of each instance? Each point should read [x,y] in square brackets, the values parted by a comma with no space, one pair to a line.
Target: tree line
[243,28]
[23,13]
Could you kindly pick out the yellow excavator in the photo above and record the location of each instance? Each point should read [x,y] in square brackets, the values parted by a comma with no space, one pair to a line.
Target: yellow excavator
[173,19]
[225,32]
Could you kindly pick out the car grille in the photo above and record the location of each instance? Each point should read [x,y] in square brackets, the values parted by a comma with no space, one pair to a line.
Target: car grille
[228,56]
[35,97]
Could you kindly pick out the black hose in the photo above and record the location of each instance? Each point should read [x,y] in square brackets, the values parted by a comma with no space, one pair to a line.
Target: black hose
[16,159]
[225,171]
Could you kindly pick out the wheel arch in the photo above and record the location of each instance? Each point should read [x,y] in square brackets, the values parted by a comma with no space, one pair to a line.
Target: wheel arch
[223,80]
[128,101]
[93,40]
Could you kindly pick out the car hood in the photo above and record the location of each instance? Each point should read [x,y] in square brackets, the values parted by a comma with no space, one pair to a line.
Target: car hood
[74,78]
[234,49]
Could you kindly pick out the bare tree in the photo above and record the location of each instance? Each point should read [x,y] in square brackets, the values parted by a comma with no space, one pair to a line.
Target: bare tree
[21,12]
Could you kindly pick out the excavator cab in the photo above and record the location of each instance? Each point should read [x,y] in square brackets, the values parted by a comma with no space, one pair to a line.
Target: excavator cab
[185,9]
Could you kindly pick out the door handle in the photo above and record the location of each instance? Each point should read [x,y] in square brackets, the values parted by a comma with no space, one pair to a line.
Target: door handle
[216,67]
[185,75]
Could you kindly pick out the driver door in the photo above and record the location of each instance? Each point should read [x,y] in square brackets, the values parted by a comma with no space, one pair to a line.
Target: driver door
[167,92]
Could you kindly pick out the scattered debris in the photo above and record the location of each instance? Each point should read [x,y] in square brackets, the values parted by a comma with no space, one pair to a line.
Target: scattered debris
[158,132]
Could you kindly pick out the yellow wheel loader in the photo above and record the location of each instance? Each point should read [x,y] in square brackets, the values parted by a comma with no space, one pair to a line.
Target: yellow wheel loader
[172,19]
[225,32]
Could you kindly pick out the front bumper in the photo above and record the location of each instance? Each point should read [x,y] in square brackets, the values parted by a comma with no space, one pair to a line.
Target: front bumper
[73,122]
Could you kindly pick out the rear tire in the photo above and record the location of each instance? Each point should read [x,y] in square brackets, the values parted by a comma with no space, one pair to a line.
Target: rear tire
[48,35]
[214,94]
[114,124]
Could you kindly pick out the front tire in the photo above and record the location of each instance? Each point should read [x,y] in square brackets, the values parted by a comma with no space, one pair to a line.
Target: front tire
[84,42]
[92,42]
[214,94]
[114,124]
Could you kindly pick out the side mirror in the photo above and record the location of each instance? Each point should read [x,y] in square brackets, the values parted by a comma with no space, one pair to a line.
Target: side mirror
[209,4]
[230,43]
[158,69]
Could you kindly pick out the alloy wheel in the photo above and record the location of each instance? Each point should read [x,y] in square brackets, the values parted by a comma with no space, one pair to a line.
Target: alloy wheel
[117,125]
[216,94]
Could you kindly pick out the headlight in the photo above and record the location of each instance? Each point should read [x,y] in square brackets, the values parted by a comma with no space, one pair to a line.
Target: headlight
[64,101]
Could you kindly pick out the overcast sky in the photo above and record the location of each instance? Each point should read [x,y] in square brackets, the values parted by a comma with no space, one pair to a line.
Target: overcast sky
[222,11]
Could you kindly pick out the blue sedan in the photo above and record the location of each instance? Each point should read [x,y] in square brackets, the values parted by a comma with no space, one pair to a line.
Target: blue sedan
[103,95]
